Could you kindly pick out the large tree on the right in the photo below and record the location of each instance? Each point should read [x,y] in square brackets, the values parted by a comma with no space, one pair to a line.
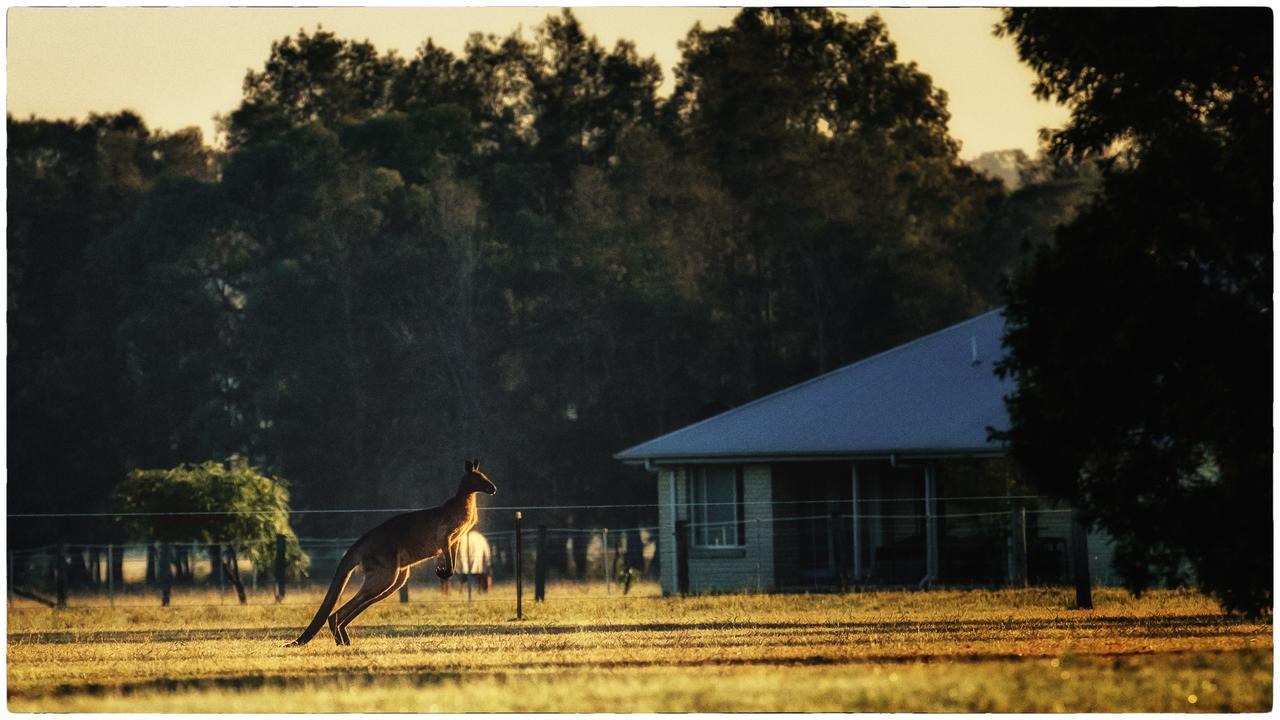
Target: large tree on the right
[1141,337]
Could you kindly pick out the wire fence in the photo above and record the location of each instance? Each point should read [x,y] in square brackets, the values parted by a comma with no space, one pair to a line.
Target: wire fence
[790,545]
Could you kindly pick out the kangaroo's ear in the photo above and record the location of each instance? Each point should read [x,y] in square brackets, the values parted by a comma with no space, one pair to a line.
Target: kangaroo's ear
[476,464]
[468,465]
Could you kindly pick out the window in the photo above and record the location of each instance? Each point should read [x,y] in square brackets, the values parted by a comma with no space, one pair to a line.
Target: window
[715,505]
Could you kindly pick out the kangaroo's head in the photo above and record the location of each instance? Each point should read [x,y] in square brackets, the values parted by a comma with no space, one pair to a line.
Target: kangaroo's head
[475,481]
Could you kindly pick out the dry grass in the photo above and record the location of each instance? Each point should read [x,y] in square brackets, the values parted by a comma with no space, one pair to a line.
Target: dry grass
[946,650]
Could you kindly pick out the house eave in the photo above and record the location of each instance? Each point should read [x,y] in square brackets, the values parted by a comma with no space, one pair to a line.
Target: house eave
[743,458]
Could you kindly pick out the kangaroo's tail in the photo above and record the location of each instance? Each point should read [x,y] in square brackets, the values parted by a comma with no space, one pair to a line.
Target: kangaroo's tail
[346,566]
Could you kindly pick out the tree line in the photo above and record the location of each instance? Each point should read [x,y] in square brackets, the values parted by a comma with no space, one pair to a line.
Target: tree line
[522,252]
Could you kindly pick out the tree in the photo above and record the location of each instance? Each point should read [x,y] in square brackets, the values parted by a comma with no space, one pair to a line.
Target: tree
[229,505]
[72,187]
[1140,338]
[850,195]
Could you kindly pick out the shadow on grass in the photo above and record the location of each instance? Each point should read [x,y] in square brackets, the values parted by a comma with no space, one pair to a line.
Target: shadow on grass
[1180,626]
[428,677]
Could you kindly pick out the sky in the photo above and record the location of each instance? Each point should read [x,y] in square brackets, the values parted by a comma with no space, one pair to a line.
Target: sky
[180,66]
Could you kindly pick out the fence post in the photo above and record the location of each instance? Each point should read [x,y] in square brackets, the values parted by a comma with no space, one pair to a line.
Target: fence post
[759,549]
[116,558]
[519,568]
[215,554]
[838,556]
[1080,561]
[60,575]
[604,561]
[1018,547]
[682,557]
[540,566]
[95,565]
[233,568]
[280,567]
[150,575]
[111,575]
[165,573]
[10,574]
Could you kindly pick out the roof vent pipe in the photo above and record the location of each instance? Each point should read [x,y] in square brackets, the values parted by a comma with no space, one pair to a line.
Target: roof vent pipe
[973,350]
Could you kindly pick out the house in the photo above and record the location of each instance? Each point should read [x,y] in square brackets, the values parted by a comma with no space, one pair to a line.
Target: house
[880,472]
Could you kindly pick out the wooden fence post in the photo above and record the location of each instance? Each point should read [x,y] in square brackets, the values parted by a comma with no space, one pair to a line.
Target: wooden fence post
[1018,547]
[519,568]
[233,568]
[111,576]
[682,557]
[280,567]
[218,563]
[150,574]
[95,565]
[116,557]
[60,575]
[1080,561]
[604,561]
[839,554]
[540,566]
[165,571]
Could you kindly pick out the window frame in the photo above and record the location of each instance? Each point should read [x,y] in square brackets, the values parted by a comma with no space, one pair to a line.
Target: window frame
[696,480]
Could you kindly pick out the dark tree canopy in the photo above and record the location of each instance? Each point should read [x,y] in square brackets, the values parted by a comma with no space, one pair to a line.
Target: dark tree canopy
[519,251]
[1141,337]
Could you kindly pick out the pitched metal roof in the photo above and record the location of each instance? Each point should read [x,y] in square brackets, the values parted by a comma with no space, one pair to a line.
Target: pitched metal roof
[928,397]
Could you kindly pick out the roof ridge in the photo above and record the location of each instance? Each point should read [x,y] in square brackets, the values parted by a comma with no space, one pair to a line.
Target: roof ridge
[803,383]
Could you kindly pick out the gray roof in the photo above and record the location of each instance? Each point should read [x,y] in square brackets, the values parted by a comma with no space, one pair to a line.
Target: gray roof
[925,398]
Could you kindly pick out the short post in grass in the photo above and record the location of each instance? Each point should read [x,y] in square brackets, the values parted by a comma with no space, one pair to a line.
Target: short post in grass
[215,555]
[540,566]
[519,568]
[9,585]
[60,575]
[758,544]
[682,556]
[604,561]
[165,573]
[1018,547]
[280,567]
[1080,561]
[111,576]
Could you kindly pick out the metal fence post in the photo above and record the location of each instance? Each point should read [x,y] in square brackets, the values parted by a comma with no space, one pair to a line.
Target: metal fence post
[540,566]
[682,556]
[604,561]
[10,574]
[519,568]
[280,567]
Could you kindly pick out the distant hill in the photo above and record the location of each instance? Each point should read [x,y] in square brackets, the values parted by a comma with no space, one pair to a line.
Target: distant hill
[1003,165]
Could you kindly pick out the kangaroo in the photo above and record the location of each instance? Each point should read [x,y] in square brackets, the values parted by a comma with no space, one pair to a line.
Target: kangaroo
[386,553]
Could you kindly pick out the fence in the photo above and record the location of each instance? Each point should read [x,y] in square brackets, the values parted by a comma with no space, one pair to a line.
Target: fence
[796,549]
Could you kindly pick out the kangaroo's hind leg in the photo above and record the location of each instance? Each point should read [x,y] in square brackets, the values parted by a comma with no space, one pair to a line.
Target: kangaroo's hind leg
[377,583]
[402,577]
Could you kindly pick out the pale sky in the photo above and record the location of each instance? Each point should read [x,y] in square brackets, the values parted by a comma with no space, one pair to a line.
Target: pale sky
[178,67]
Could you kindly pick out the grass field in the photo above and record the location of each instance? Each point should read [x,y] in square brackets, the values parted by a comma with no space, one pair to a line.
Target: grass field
[1024,650]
